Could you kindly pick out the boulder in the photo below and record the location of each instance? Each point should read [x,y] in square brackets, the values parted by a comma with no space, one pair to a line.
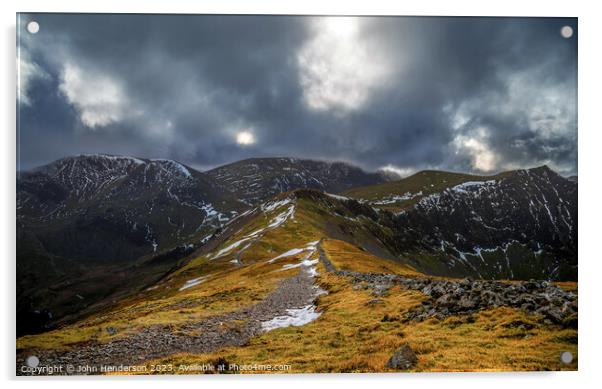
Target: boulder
[489,298]
[466,302]
[402,359]
[447,300]
[555,314]
[380,289]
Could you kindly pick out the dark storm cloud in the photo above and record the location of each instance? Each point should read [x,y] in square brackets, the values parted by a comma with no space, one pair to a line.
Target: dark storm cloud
[474,94]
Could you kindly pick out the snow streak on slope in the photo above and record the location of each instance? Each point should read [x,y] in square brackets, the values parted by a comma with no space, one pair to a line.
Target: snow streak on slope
[193,282]
[305,314]
[295,317]
[256,235]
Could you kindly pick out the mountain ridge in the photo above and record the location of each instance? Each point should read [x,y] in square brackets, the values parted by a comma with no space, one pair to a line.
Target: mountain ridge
[393,224]
[255,179]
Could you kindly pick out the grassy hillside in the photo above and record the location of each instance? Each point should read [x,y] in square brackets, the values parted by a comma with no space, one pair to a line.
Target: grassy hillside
[216,294]
[401,194]
[355,336]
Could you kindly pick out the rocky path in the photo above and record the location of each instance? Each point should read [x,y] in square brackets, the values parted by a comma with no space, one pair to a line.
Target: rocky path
[231,329]
[466,296]
[298,293]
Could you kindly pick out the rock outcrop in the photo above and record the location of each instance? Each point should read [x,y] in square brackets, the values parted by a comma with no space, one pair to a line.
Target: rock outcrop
[404,358]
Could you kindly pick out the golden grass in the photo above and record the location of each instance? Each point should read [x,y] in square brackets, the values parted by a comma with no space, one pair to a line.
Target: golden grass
[349,336]
[569,286]
[228,288]
[353,336]
[345,256]
[224,292]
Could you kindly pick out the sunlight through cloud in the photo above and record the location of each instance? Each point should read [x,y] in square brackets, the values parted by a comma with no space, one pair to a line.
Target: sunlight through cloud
[245,138]
[338,68]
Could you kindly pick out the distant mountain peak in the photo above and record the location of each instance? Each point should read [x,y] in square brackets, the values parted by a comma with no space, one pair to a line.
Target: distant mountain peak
[108,157]
[542,168]
[177,166]
[255,179]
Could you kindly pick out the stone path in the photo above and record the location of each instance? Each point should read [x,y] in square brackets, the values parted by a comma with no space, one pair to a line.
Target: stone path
[231,329]
[235,329]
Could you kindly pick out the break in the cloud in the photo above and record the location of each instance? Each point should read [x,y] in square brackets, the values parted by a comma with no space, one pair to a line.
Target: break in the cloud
[400,93]
[98,99]
[245,138]
[338,69]
[476,148]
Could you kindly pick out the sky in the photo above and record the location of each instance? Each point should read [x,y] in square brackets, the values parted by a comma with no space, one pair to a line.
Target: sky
[476,95]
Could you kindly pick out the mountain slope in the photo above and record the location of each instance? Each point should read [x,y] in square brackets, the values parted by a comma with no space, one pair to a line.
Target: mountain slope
[298,275]
[302,267]
[516,225]
[89,225]
[400,194]
[257,179]
[143,205]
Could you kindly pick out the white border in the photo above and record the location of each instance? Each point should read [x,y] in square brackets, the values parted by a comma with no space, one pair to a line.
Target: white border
[590,63]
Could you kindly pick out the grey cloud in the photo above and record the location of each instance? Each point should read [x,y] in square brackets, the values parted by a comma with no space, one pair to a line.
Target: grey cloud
[208,76]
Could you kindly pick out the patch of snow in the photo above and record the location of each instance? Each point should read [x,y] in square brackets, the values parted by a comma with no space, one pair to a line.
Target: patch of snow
[545,204]
[338,197]
[226,250]
[461,188]
[283,217]
[256,233]
[119,158]
[310,247]
[429,201]
[271,206]
[209,210]
[312,272]
[289,253]
[396,198]
[290,266]
[295,317]
[193,282]
[305,263]
[178,166]
[309,263]
[462,257]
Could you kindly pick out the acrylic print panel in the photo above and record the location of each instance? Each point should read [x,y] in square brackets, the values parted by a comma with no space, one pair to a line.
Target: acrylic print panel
[295,194]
